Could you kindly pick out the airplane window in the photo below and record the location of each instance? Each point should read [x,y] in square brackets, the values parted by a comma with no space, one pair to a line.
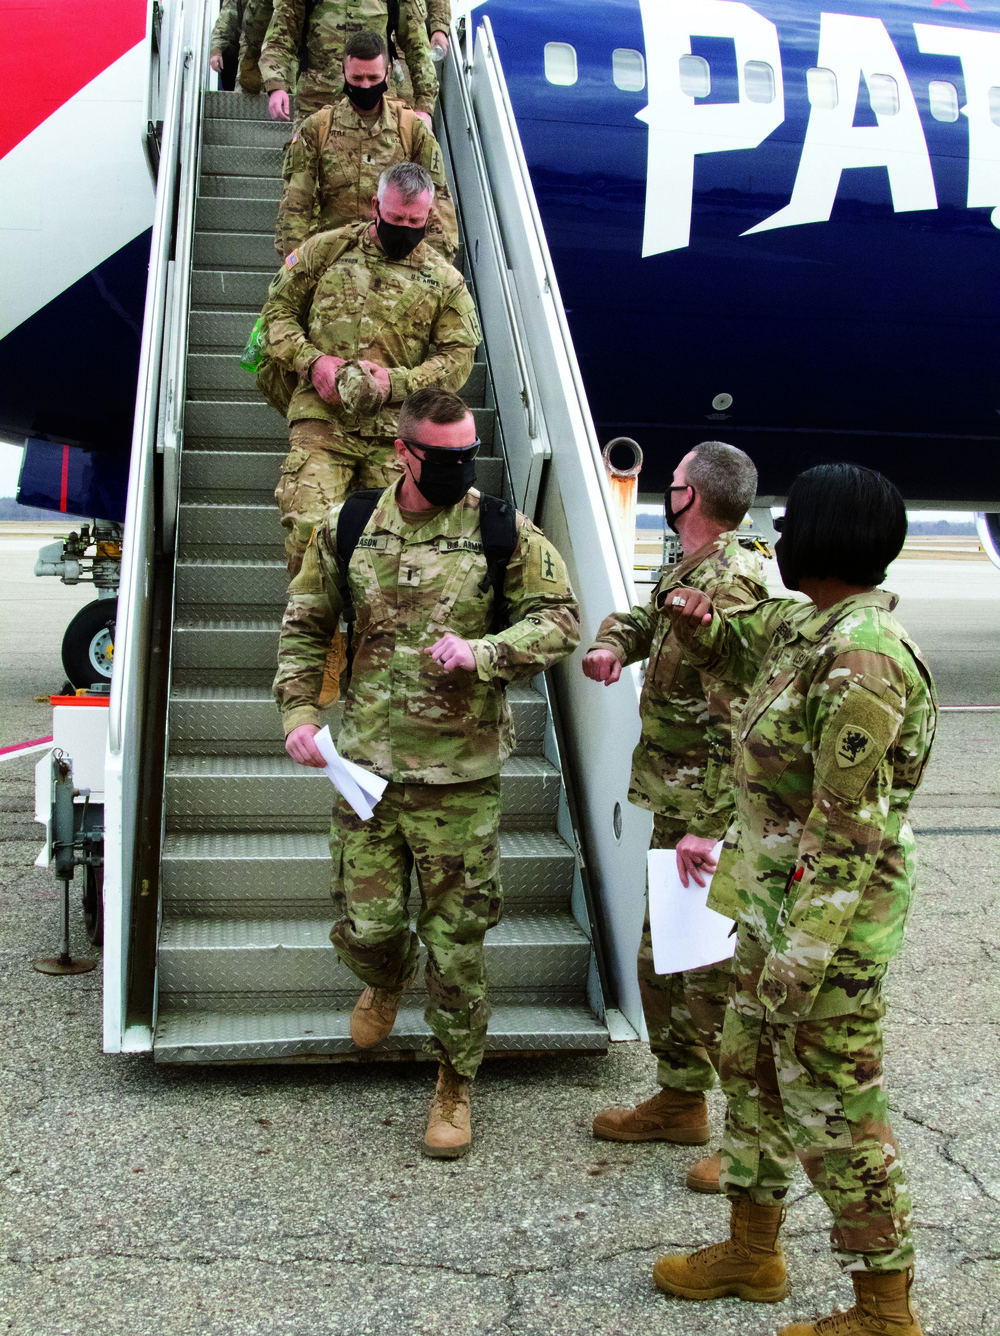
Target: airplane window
[821,88]
[696,77]
[560,63]
[628,69]
[758,79]
[994,96]
[943,98]
[883,94]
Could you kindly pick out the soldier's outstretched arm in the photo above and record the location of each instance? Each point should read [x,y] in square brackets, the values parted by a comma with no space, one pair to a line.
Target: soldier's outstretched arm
[545,617]
[627,635]
[300,198]
[855,709]
[307,627]
[456,336]
[281,46]
[729,644]
[417,50]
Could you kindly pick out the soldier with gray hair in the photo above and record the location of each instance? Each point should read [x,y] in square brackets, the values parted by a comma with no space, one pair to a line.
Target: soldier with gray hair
[351,319]
[681,772]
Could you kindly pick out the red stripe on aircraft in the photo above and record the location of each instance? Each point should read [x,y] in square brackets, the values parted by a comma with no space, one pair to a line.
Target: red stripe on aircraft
[52,49]
[64,485]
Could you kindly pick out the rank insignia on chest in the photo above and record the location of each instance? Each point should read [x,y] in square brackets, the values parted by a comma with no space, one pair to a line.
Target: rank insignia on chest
[853,745]
[409,576]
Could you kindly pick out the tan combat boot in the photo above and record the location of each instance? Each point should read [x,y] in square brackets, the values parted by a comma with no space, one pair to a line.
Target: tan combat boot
[882,1308]
[703,1176]
[336,658]
[749,1264]
[449,1127]
[680,1116]
[374,1014]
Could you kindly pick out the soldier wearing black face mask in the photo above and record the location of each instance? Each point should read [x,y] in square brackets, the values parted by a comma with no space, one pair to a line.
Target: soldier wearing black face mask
[337,155]
[343,316]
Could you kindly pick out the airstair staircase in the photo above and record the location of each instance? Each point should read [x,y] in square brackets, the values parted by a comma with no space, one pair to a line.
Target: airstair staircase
[245,969]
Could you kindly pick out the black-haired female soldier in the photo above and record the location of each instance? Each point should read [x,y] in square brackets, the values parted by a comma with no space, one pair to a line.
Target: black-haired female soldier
[832,743]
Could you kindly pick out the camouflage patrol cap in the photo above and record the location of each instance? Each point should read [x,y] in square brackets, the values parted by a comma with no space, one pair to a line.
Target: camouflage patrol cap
[358,389]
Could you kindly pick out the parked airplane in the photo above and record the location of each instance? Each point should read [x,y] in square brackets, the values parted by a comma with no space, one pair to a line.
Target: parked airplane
[769,223]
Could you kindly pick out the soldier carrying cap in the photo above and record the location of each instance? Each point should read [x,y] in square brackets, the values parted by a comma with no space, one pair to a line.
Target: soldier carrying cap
[337,155]
[832,744]
[681,772]
[427,711]
[318,29]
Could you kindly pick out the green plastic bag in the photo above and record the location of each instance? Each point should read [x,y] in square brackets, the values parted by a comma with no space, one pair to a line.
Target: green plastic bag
[253,353]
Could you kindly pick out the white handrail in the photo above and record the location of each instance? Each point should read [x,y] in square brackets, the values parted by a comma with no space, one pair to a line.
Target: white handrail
[552,283]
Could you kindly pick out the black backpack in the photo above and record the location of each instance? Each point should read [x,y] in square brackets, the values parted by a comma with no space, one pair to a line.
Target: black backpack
[497,524]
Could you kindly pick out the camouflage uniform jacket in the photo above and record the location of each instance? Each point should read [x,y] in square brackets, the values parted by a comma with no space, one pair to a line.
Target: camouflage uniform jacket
[828,751]
[682,764]
[405,717]
[331,23]
[329,190]
[241,24]
[439,15]
[365,306]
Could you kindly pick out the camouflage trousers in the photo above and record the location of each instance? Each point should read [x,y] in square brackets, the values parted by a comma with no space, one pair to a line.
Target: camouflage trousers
[450,834]
[814,1090]
[684,1012]
[324,463]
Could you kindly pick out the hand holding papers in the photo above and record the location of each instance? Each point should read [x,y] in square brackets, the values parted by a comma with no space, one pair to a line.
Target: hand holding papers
[686,933]
[360,787]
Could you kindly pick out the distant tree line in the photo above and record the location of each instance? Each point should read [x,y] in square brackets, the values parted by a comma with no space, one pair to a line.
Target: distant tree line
[917,528]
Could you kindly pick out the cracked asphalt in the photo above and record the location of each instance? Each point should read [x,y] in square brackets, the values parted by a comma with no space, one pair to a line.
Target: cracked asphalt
[293,1201]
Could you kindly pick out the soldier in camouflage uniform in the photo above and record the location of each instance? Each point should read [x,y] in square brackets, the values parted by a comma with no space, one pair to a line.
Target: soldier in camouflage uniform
[330,23]
[426,710]
[238,36]
[337,155]
[681,772]
[439,22]
[833,742]
[341,299]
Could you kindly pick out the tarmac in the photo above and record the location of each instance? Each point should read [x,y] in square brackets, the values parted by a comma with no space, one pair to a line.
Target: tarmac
[293,1201]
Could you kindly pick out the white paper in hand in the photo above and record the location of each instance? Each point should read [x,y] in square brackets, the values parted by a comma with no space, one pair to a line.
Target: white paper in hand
[360,787]
[686,933]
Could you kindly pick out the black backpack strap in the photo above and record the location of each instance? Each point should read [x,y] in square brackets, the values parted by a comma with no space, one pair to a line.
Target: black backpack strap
[352,521]
[391,30]
[303,51]
[498,526]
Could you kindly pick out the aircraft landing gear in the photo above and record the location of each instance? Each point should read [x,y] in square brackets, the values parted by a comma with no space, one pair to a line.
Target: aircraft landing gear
[89,643]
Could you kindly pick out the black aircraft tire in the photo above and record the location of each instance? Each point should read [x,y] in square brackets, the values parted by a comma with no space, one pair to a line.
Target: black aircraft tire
[93,903]
[87,639]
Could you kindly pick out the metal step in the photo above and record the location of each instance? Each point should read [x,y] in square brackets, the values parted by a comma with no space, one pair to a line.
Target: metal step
[230,582]
[318,1031]
[230,717]
[237,106]
[221,331]
[233,473]
[225,875]
[239,187]
[235,251]
[208,371]
[259,421]
[216,290]
[229,526]
[231,215]
[247,133]
[273,793]
[226,160]
[540,952]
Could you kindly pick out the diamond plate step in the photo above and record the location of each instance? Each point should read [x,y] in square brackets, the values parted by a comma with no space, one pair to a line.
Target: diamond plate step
[250,642]
[273,793]
[240,187]
[221,331]
[229,526]
[215,289]
[255,133]
[226,160]
[537,951]
[223,875]
[236,105]
[258,421]
[205,1036]
[235,250]
[237,215]
[227,717]
[232,472]
[230,582]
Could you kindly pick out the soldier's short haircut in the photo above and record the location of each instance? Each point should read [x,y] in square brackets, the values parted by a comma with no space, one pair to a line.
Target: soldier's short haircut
[409,179]
[843,521]
[430,405]
[726,480]
[365,46]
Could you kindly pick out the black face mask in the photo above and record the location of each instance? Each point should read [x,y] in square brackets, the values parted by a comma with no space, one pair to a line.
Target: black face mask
[445,475]
[397,241]
[365,99]
[672,516]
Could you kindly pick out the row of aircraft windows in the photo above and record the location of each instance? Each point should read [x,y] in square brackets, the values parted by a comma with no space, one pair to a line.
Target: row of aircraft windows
[628,69]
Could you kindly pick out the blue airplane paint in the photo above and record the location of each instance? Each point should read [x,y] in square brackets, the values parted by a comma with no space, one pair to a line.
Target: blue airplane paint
[870,336]
[73,480]
[70,370]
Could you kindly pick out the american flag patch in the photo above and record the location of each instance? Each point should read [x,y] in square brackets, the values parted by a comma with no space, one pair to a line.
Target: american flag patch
[295,137]
[291,259]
